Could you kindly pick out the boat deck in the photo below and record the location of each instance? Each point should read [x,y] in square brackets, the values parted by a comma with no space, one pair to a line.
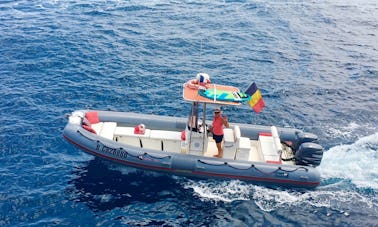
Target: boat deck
[235,147]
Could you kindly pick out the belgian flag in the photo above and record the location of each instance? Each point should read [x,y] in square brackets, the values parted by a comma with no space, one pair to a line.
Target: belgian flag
[256,101]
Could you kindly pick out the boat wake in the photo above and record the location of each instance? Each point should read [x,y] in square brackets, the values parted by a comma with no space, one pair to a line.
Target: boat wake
[344,169]
[349,175]
[352,162]
[212,190]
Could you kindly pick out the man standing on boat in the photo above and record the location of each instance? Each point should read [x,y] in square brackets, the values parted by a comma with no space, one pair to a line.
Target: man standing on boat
[217,129]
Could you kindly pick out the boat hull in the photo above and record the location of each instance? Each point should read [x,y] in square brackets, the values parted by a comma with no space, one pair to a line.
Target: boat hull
[293,176]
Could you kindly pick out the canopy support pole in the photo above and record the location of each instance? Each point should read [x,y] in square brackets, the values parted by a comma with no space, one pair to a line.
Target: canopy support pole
[204,128]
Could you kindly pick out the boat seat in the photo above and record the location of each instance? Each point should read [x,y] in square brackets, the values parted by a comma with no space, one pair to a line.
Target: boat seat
[276,140]
[129,131]
[243,145]
[127,136]
[237,133]
[164,140]
[108,129]
[198,144]
[97,127]
[244,149]
[271,146]
[232,143]
[229,145]
[255,154]
[211,148]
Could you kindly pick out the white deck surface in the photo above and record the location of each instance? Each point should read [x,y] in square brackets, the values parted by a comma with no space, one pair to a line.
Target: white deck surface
[242,148]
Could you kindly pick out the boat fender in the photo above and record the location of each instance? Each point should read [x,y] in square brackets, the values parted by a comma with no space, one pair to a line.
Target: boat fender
[183,135]
[140,129]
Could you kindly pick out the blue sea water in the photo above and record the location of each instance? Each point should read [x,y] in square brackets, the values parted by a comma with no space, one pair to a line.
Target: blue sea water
[316,63]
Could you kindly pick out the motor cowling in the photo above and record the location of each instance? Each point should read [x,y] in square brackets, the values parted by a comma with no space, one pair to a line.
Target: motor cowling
[309,154]
[304,137]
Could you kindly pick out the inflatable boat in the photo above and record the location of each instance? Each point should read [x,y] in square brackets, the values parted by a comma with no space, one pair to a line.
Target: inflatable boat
[266,155]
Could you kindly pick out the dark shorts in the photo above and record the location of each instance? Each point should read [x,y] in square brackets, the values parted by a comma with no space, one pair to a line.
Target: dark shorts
[218,138]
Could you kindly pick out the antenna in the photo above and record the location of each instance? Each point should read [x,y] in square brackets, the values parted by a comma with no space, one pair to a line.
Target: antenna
[200,57]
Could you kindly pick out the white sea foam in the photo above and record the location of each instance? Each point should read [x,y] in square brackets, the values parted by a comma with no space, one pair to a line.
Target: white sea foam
[349,131]
[272,199]
[351,163]
[226,191]
[356,162]
[105,198]
[269,199]
[344,131]
[266,199]
[125,170]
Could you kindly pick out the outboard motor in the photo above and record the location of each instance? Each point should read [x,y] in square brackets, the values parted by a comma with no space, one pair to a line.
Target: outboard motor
[304,137]
[309,154]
